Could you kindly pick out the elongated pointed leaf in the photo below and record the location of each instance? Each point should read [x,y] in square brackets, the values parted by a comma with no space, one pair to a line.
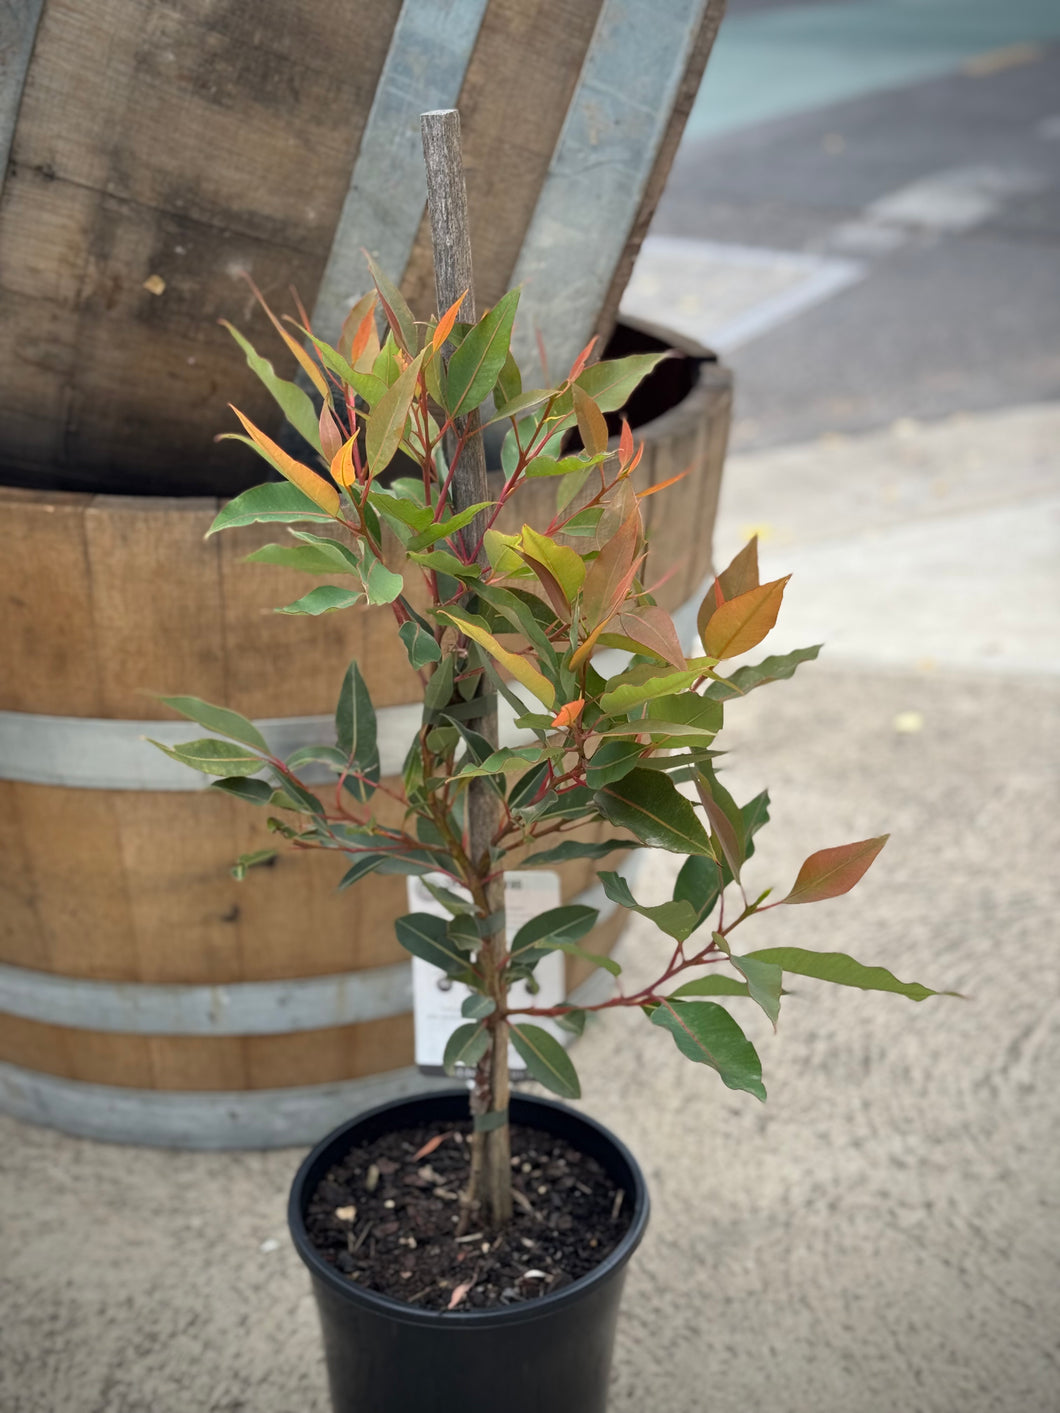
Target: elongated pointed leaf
[651,630]
[612,760]
[518,666]
[213,757]
[642,684]
[546,1060]
[831,872]
[596,959]
[717,984]
[677,918]
[649,805]
[386,422]
[255,792]
[420,645]
[564,924]
[443,529]
[476,364]
[707,1033]
[319,491]
[356,729]
[219,719]
[275,502]
[841,970]
[424,935]
[326,598]
[399,315]
[610,384]
[770,669]
[251,860]
[307,559]
[741,623]
[466,1046]
[577,849]
[591,425]
[297,406]
[763,983]
[362,865]
[564,564]
[740,577]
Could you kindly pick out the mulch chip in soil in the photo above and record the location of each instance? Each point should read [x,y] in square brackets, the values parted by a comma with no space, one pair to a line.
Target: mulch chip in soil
[386,1217]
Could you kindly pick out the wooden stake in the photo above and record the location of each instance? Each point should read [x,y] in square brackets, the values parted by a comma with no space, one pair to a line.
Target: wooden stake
[489,1195]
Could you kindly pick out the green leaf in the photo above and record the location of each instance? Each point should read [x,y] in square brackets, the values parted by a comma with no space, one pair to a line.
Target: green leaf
[252,860]
[446,563]
[688,708]
[395,306]
[707,1034]
[355,727]
[841,970]
[419,644]
[713,985]
[386,422]
[325,598]
[274,502]
[526,788]
[770,669]
[255,792]
[505,760]
[573,1021]
[763,983]
[477,1006]
[402,513]
[307,559]
[296,406]
[425,936]
[649,805]
[366,385]
[577,849]
[360,868]
[381,585]
[476,364]
[292,795]
[676,918]
[610,384]
[611,761]
[213,757]
[641,684]
[317,755]
[699,885]
[829,873]
[219,719]
[444,528]
[546,1060]
[564,924]
[563,466]
[595,959]
[439,688]
[465,1047]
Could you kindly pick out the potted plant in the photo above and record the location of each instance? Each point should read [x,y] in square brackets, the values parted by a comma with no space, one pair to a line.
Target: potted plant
[431,1291]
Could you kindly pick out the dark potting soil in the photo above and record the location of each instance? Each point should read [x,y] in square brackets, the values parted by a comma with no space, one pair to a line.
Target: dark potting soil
[386,1217]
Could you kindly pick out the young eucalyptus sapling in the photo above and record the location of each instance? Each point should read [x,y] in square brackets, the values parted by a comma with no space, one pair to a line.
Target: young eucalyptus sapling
[560,622]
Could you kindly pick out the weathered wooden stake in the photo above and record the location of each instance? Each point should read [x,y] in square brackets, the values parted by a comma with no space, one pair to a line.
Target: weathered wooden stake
[489,1195]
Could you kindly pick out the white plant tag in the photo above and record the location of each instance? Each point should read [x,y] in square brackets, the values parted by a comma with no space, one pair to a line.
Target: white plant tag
[436,1000]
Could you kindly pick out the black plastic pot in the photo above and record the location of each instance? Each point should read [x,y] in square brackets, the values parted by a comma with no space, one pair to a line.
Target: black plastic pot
[551,1355]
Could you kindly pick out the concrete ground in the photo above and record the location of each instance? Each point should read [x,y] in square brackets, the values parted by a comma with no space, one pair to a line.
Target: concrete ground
[883,1233]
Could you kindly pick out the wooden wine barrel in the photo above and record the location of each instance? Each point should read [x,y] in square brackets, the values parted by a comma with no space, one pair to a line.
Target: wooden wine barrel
[150,153]
[145,995]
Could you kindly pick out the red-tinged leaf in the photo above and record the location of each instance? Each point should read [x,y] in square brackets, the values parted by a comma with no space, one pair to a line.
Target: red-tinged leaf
[591,425]
[446,322]
[331,438]
[398,314]
[569,713]
[831,872]
[653,629]
[722,827]
[582,358]
[564,564]
[740,577]
[625,444]
[610,575]
[319,491]
[386,423]
[741,623]
[663,485]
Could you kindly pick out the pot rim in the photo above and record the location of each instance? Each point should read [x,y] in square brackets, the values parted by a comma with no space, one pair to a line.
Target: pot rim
[540,1308]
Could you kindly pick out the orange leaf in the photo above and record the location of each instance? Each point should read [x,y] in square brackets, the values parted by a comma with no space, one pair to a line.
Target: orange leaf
[446,322]
[832,872]
[581,360]
[742,622]
[740,577]
[319,491]
[359,332]
[625,444]
[342,468]
[569,713]
[652,628]
[662,485]
[611,573]
[309,366]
